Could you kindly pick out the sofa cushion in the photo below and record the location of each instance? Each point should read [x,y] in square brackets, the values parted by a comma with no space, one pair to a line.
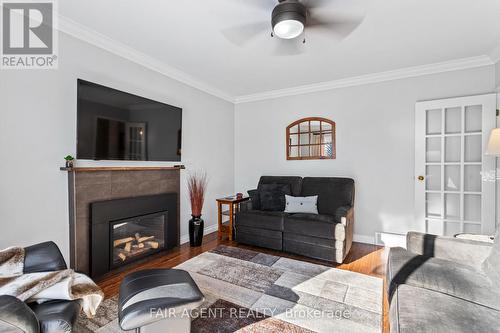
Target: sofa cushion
[491,266]
[415,309]
[271,239]
[320,242]
[313,217]
[322,226]
[260,219]
[332,192]
[314,247]
[469,252]
[294,182]
[272,196]
[301,204]
[440,275]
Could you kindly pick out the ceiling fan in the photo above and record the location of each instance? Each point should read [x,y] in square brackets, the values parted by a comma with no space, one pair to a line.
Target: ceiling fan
[290,19]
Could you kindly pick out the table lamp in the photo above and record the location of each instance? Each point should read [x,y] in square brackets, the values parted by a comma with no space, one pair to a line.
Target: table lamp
[493,148]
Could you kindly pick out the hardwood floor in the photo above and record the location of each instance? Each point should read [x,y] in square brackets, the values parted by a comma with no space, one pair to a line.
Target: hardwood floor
[363,258]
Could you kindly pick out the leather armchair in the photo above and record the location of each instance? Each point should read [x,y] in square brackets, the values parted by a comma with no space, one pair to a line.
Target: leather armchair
[16,316]
[49,317]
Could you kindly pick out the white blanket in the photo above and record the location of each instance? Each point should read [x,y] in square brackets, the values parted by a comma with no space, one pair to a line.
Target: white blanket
[44,286]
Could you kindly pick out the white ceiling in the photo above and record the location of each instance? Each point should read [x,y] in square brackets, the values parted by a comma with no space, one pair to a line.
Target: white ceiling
[196,37]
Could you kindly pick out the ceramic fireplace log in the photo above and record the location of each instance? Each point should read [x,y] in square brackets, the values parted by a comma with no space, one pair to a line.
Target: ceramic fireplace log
[122,241]
[144,239]
[138,246]
[153,244]
[128,246]
[121,254]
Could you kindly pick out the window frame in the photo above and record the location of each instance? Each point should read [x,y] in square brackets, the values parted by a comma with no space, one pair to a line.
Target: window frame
[308,120]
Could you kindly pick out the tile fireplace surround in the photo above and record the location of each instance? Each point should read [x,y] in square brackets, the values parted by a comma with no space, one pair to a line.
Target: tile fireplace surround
[87,185]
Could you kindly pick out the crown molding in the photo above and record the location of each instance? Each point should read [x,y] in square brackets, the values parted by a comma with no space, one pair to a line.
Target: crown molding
[95,38]
[441,67]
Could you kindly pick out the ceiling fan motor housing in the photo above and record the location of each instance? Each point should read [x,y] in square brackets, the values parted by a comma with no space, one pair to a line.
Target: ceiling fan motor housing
[289,10]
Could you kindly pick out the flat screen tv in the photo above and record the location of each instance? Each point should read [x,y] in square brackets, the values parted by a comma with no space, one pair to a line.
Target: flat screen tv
[115,125]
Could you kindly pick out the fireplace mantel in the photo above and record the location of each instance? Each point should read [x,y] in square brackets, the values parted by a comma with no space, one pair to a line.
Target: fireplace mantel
[91,184]
[135,168]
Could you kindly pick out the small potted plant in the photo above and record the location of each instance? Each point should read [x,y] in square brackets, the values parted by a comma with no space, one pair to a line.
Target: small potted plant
[197,187]
[69,161]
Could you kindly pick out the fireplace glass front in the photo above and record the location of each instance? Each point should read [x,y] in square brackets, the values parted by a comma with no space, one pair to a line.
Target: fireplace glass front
[137,237]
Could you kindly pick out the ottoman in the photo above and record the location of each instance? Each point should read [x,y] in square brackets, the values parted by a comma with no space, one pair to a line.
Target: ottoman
[158,300]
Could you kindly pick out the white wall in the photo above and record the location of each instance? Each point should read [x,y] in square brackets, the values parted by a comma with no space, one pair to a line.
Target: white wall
[497,82]
[375,141]
[497,75]
[38,128]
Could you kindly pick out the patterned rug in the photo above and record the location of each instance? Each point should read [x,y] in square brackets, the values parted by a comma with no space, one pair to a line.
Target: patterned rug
[248,291]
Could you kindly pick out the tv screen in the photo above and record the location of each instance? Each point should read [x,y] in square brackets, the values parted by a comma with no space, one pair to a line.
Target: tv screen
[115,125]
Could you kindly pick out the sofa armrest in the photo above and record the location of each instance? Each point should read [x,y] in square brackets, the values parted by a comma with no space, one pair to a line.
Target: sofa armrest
[249,205]
[57,315]
[245,206]
[344,214]
[464,251]
[16,316]
[43,257]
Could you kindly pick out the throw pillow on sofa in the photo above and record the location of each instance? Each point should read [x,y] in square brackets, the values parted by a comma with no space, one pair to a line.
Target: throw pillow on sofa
[301,204]
[272,196]
[254,198]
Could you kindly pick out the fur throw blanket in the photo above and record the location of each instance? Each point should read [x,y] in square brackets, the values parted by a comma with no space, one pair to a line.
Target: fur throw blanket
[44,286]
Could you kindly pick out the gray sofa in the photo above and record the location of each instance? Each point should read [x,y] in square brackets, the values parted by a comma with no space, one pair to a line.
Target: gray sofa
[444,284]
[326,236]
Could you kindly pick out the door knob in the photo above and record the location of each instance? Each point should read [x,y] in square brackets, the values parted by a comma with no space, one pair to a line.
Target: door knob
[421,178]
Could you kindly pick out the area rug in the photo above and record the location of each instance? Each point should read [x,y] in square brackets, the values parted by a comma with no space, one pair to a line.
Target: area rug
[248,291]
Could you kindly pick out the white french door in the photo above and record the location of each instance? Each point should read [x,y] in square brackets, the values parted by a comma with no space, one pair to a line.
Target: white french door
[454,180]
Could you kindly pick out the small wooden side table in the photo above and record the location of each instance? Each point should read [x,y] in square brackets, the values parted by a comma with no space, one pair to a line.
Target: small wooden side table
[226,227]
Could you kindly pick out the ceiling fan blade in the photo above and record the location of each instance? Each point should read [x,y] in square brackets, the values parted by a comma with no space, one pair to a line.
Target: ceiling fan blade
[242,34]
[341,27]
[260,4]
[317,3]
[289,47]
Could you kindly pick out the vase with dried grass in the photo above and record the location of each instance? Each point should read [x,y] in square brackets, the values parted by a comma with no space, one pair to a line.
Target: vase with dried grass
[197,186]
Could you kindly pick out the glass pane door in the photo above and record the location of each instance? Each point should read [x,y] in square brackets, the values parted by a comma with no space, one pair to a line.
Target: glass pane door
[453,175]
[451,168]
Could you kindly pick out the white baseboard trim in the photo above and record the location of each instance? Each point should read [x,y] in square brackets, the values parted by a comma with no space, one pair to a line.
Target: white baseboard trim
[390,239]
[206,231]
[363,239]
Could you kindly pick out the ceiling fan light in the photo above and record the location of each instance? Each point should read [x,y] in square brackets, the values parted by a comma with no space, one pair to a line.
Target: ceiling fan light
[288,19]
[288,29]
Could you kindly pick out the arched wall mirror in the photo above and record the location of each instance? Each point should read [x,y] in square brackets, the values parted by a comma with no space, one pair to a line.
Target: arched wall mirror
[310,139]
